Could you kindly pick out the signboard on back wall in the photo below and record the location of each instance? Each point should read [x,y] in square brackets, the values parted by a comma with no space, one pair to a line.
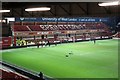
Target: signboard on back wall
[6,42]
[110,21]
[62,19]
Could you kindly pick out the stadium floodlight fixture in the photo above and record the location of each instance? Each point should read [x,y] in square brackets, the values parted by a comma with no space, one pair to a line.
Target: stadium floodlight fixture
[38,9]
[2,11]
[109,3]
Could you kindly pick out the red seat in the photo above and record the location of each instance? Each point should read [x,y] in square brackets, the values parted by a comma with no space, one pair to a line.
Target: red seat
[35,28]
[20,28]
[6,75]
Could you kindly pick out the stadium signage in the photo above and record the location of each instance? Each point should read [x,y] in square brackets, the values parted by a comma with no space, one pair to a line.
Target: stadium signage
[57,32]
[44,32]
[61,19]
[71,31]
[49,19]
[85,20]
[93,30]
[67,19]
[21,19]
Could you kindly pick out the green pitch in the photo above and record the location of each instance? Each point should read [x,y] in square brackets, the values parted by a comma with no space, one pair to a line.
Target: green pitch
[88,60]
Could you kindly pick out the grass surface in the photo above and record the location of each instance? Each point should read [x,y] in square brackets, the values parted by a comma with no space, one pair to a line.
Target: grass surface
[88,60]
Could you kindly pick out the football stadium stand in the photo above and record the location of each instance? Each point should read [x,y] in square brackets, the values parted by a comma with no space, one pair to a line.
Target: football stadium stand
[35,28]
[9,74]
[13,72]
[80,26]
[117,35]
[20,28]
[24,33]
[38,32]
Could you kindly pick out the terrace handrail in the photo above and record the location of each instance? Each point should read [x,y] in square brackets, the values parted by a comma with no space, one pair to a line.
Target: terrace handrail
[31,74]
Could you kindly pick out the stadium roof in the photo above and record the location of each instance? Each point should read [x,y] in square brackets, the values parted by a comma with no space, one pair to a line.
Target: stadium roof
[59,9]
